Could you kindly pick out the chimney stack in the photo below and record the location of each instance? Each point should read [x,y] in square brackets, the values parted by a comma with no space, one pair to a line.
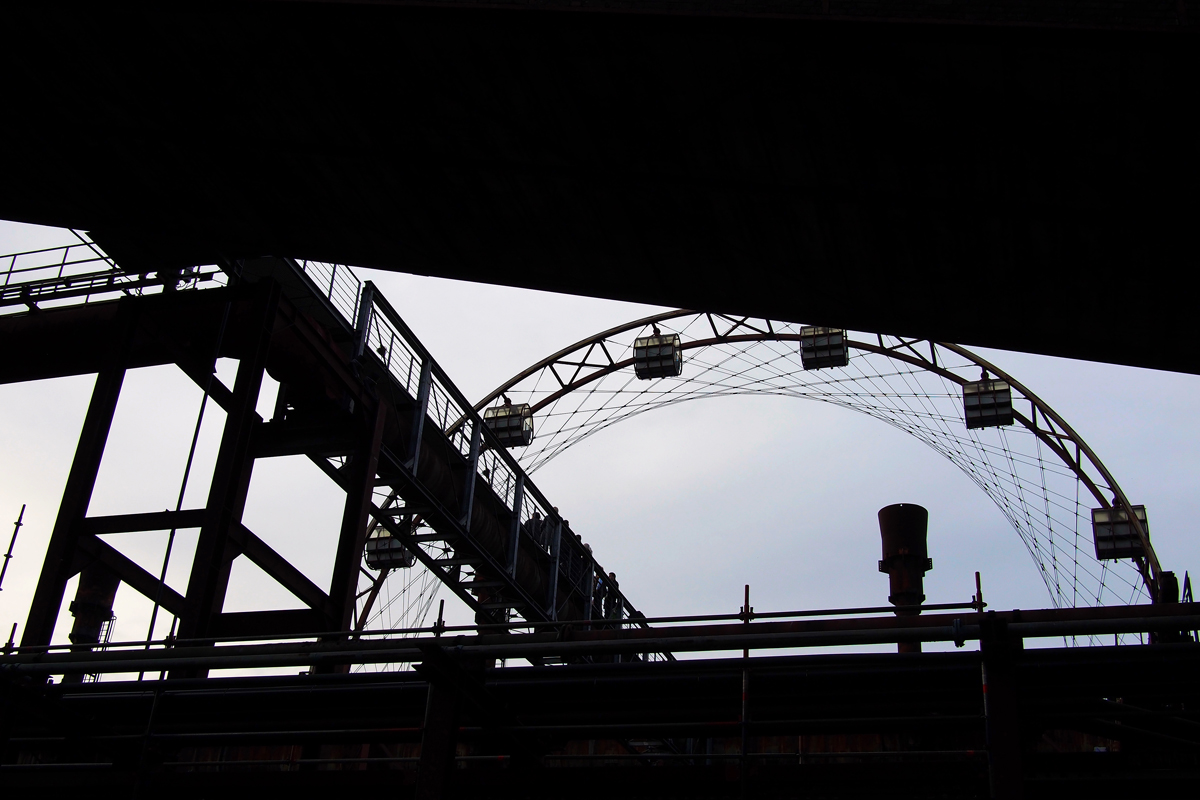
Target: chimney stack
[903,528]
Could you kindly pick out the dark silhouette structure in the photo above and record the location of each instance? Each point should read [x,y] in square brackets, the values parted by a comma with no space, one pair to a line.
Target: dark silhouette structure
[991,172]
[1014,174]
[605,705]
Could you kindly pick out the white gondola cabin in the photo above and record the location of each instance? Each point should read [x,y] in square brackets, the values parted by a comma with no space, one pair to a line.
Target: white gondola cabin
[658,356]
[987,404]
[384,551]
[1114,535]
[511,424]
[821,348]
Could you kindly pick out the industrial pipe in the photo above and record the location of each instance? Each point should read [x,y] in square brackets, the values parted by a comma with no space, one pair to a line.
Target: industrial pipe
[903,528]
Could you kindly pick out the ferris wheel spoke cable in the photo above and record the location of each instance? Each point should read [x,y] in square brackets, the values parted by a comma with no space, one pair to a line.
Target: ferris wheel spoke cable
[1046,509]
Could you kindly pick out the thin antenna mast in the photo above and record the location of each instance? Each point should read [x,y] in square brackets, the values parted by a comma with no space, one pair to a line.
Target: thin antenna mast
[11,542]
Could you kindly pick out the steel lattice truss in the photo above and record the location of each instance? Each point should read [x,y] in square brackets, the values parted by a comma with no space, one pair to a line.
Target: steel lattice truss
[1040,474]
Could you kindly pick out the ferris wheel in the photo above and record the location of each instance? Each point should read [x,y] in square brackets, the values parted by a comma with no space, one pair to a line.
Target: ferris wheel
[1088,542]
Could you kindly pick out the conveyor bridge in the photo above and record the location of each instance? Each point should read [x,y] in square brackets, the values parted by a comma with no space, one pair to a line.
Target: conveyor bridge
[359,395]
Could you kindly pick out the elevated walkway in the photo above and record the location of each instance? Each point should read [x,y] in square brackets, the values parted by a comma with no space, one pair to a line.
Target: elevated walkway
[359,395]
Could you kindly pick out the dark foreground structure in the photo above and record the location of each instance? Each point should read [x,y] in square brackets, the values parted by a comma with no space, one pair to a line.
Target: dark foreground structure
[1001,173]
[607,703]
[1000,722]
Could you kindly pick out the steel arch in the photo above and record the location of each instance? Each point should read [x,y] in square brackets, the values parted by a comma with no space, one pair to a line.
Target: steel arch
[591,359]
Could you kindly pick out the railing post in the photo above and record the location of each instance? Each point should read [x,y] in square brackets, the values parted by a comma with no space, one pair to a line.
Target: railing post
[358,293]
[591,587]
[418,425]
[555,549]
[472,472]
[518,501]
[362,324]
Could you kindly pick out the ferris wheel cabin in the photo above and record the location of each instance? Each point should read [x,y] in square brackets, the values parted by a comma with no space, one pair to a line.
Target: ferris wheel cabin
[821,347]
[384,551]
[658,356]
[512,425]
[987,403]
[1114,535]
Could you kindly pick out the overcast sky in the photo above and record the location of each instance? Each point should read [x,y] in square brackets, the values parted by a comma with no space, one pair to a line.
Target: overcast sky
[685,504]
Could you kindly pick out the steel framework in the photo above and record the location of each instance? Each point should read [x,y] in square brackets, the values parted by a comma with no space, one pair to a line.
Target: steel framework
[363,399]
[359,395]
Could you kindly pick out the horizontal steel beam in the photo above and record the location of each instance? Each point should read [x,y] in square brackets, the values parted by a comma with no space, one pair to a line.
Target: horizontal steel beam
[569,643]
[153,521]
[274,439]
[267,623]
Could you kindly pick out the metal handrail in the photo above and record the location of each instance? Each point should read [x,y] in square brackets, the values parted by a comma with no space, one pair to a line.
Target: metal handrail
[1032,624]
[492,627]
[384,336]
[81,270]
[337,283]
[417,351]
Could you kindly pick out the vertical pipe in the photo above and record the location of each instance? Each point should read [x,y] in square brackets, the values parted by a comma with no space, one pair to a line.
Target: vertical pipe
[903,528]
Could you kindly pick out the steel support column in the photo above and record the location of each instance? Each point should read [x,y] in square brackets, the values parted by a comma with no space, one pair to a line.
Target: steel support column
[439,739]
[62,555]
[1000,696]
[215,549]
[359,483]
